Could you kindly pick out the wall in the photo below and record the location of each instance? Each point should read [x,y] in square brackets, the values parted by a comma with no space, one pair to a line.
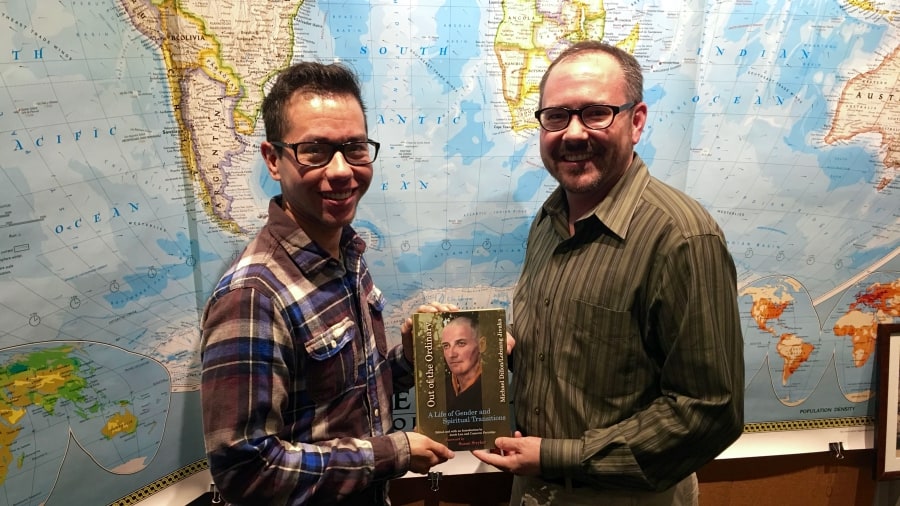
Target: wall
[888,494]
[814,479]
[817,479]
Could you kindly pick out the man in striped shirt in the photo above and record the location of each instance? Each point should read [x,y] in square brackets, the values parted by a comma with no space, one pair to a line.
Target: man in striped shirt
[297,377]
[628,368]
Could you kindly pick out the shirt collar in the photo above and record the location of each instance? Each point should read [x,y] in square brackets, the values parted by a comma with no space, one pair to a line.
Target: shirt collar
[306,252]
[617,209]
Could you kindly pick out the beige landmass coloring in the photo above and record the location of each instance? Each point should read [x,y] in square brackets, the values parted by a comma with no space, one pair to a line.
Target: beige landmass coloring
[527,38]
[769,304]
[870,103]
[217,64]
[876,304]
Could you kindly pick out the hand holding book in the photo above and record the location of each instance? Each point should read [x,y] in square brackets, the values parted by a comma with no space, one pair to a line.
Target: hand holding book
[406,327]
[461,376]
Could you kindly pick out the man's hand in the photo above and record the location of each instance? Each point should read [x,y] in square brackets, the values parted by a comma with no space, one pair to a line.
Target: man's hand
[510,343]
[425,453]
[521,455]
[406,326]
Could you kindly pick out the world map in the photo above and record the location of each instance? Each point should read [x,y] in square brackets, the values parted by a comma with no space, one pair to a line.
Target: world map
[132,177]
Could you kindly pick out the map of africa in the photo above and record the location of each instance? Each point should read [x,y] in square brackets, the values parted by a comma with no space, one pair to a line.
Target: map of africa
[132,177]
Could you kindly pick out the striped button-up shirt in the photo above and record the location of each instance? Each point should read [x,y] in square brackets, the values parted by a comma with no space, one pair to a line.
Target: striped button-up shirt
[297,377]
[629,355]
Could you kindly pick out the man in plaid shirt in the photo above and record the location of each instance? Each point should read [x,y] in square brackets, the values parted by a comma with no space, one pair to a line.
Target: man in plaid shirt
[297,378]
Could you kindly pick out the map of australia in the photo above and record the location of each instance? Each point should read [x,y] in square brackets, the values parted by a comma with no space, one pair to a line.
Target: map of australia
[870,104]
[113,403]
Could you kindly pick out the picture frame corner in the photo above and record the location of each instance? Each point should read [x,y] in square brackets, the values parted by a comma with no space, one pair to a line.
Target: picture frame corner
[887,428]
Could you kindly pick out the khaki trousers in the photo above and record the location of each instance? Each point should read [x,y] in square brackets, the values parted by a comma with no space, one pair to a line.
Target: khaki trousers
[532,491]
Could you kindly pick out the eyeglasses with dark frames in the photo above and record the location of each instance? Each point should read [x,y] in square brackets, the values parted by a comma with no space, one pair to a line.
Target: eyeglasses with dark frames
[595,116]
[313,155]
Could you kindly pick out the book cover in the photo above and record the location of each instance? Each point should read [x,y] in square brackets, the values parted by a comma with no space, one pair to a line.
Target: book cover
[461,377]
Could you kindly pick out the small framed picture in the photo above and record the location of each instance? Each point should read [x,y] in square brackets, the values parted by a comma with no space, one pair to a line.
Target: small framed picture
[887,424]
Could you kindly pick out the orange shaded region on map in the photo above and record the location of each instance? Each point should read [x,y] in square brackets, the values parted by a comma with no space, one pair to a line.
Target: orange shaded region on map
[878,303]
[795,352]
[8,435]
[764,310]
[120,423]
[862,339]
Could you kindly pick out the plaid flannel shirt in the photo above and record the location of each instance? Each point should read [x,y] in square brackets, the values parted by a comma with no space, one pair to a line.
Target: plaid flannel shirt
[297,378]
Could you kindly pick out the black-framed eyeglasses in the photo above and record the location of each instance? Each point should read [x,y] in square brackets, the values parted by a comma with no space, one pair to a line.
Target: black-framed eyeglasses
[319,154]
[595,117]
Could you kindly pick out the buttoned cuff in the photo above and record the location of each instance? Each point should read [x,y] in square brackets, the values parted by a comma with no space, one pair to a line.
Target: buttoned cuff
[561,458]
[391,455]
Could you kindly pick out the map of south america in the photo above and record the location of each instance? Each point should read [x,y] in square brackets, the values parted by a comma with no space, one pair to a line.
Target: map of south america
[216,63]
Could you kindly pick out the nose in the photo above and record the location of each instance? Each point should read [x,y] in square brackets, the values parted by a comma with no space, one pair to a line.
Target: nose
[338,167]
[575,128]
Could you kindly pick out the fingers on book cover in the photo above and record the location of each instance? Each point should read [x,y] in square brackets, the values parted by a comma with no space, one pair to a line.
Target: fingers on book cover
[462,379]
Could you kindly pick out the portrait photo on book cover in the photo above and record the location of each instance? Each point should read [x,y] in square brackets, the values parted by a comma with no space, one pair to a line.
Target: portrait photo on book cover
[462,377]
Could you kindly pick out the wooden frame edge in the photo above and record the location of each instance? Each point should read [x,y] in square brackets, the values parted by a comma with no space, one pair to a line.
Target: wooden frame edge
[887,440]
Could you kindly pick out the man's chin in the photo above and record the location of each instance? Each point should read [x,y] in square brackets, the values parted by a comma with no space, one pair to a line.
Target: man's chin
[577,176]
[580,186]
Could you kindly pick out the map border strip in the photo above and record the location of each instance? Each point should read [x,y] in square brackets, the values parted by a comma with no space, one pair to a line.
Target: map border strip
[757,427]
[158,485]
[822,423]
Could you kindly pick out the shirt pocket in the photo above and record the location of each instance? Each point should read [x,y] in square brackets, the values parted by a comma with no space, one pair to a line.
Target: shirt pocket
[598,351]
[331,370]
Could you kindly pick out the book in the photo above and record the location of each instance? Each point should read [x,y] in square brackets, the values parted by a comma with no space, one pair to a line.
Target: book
[462,377]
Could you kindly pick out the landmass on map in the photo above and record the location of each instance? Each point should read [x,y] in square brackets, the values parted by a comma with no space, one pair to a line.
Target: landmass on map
[870,104]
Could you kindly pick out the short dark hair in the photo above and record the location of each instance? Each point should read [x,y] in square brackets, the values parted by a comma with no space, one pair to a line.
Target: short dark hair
[308,77]
[634,77]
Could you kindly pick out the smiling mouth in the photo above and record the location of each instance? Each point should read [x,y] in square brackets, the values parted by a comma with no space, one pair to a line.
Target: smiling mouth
[577,157]
[337,196]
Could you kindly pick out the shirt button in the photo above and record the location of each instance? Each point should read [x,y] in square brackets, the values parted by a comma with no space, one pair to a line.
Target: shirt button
[546,302]
[541,357]
[537,411]
[376,412]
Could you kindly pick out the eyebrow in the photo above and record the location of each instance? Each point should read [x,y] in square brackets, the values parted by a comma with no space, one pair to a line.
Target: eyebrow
[321,139]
